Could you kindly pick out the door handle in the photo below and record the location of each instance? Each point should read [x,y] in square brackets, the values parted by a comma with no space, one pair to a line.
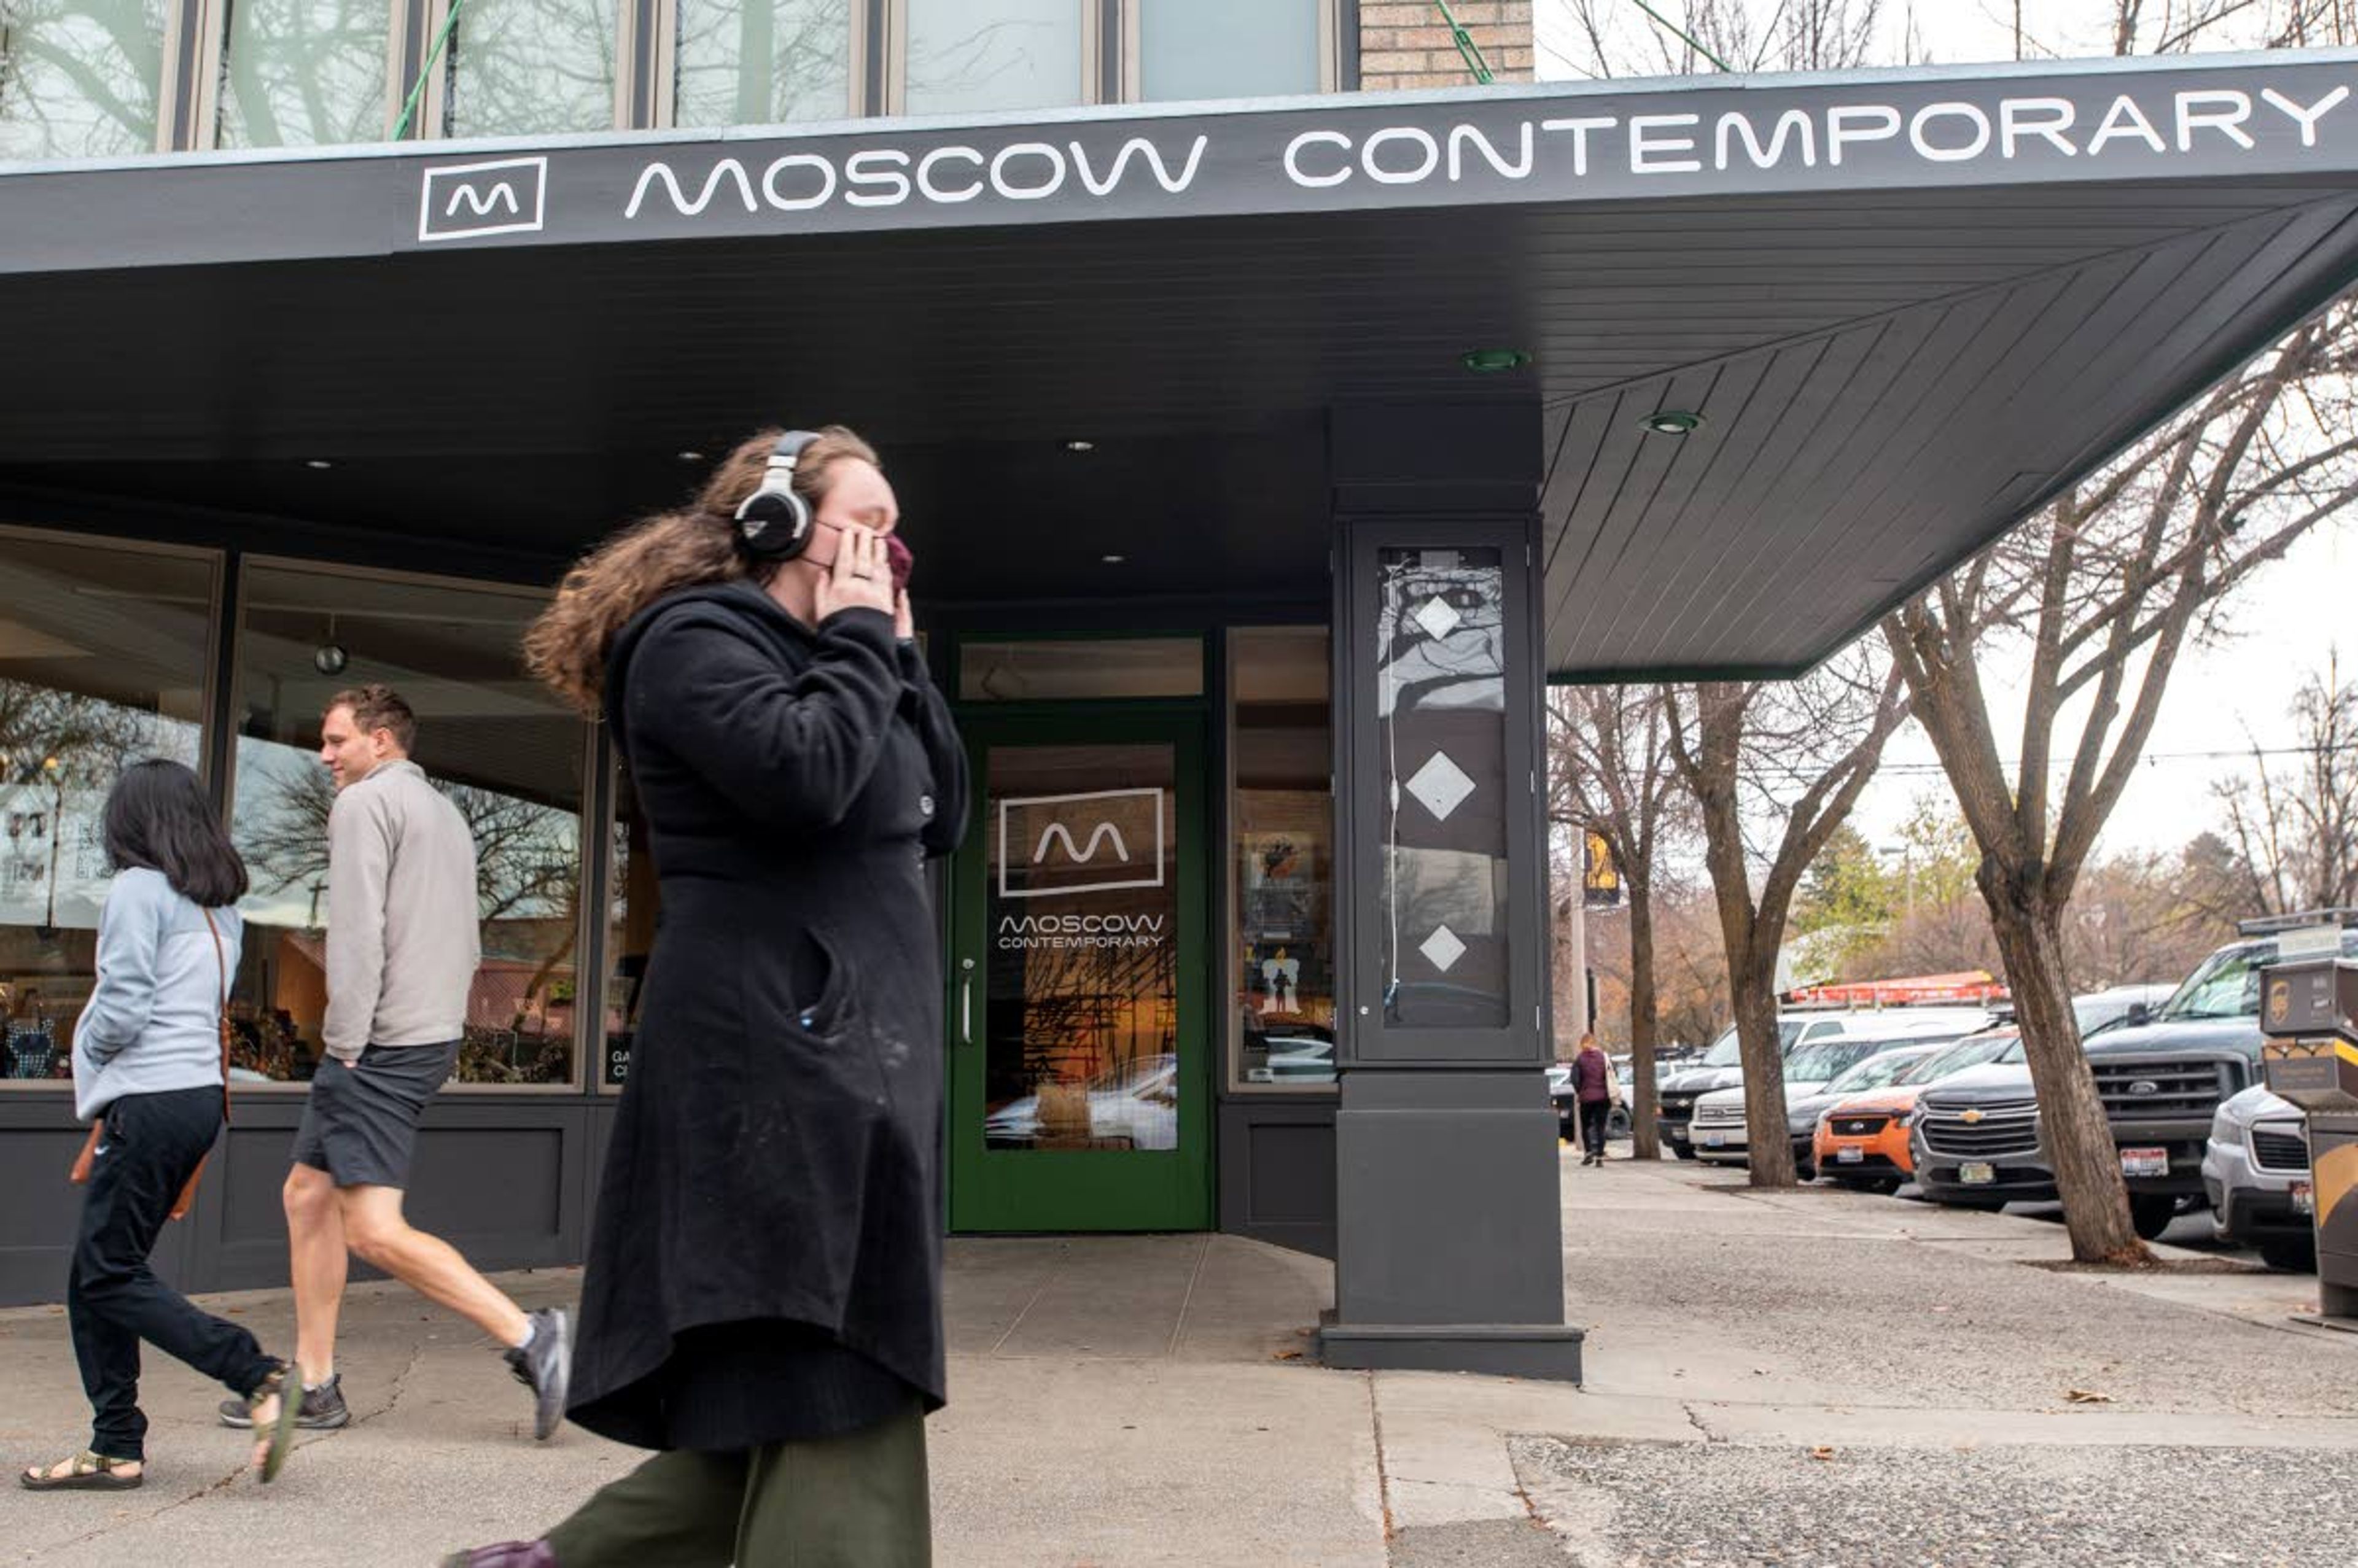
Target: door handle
[965,1002]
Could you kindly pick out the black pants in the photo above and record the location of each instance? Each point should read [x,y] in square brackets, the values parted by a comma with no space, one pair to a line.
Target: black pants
[1593,1115]
[114,1300]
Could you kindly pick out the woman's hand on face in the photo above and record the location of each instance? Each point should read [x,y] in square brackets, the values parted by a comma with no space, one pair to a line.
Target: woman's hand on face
[904,619]
[859,577]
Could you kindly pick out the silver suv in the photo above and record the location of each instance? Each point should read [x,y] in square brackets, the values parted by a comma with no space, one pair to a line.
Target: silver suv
[2256,1173]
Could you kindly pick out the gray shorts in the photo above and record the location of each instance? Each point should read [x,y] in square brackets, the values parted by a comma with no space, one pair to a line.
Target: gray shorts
[361,1123]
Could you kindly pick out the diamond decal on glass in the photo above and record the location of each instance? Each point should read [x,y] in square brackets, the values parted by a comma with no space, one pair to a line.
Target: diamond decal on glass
[1442,785]
[1443,948]
[1438,617]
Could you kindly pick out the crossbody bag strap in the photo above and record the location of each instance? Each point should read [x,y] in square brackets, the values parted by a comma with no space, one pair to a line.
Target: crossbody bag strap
[221,966]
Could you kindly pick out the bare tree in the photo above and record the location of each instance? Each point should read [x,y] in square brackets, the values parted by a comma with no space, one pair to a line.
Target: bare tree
[1793,758]
[2104,589]
[1610,774]
[2296,827]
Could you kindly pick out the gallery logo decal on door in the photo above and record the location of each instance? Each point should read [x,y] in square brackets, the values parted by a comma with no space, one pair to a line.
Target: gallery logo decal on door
[1059,844]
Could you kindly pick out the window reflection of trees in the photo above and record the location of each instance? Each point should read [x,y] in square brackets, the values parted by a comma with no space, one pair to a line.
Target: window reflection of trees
[80,77]
[303,72]
[527,67]
[992,54]
[758,64]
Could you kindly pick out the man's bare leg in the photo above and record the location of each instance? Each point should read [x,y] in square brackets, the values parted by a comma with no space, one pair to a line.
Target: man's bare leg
[317,1265]
[374,1225]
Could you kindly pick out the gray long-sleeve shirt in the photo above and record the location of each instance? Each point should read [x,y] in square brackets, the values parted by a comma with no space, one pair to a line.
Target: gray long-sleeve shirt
[403,942]
[153,1020]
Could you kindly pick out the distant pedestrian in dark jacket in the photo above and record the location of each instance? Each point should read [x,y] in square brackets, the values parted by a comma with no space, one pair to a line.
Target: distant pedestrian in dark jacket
[1592,1081]
[762,1303]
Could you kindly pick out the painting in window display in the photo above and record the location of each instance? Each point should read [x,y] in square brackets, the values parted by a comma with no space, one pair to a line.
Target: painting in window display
[1285,962]
[506,757]
[101,658]
[1082,989]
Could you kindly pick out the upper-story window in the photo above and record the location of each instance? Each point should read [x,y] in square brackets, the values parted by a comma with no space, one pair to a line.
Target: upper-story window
[80,77]
[1226,49]
[532,67]
[962,56]
[762,62]
[302,72]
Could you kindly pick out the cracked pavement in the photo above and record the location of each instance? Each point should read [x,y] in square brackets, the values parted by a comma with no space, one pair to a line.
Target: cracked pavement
[1817,1378]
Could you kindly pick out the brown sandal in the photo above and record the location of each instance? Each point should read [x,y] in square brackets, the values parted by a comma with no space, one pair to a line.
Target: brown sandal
[87,1471]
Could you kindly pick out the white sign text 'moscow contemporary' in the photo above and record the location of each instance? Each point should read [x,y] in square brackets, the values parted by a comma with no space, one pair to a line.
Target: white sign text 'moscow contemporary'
[2260,118]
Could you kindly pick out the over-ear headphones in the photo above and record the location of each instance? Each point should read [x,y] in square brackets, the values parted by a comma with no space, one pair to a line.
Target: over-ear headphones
[774,523]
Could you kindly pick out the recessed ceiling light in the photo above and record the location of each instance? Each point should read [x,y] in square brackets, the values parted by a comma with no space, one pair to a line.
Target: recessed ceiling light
[317,463]
[1672,422]
[1113,560]
[688,457]
[1489,362]
[1079,445]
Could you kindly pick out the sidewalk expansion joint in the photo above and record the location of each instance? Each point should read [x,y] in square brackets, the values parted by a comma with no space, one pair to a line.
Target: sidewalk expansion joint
[1383,1471]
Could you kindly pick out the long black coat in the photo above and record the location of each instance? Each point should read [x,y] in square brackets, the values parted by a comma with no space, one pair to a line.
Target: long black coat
[775,1155]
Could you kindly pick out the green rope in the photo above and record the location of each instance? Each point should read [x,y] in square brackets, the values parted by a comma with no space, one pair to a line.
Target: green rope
[1467,50]
[417,90]
[1684,37]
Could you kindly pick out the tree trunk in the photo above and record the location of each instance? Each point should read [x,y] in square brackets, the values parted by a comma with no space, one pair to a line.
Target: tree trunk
[1769,1152]
[1642,1023]
[2074,1131]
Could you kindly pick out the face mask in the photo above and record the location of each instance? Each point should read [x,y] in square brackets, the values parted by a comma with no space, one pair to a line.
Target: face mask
[900,560]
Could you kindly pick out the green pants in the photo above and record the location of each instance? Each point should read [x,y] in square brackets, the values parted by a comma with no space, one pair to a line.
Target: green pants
[857,1501]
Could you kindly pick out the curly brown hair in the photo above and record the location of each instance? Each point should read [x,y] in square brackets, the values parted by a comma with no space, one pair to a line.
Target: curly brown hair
[567,647]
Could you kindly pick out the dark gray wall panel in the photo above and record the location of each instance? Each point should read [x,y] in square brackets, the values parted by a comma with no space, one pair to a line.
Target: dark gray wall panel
[1277,1171]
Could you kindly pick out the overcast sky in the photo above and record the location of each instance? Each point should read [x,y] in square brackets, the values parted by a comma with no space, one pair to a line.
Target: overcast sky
[2223,697]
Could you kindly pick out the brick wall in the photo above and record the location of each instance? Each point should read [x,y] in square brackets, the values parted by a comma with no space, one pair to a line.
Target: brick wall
[1405,43]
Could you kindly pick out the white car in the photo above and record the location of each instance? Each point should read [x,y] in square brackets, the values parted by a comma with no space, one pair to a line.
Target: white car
[1719,1132]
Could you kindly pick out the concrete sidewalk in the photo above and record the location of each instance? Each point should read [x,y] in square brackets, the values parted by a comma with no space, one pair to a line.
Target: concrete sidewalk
[1846,1378]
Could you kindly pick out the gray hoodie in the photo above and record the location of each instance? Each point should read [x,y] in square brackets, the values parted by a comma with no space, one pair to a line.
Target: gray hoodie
[153,1021]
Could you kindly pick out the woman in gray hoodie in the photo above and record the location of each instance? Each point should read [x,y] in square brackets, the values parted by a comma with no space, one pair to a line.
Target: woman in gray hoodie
[149,1067]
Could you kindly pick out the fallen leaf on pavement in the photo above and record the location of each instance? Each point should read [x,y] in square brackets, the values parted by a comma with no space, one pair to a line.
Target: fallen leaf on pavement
[1287,1356]
[2087,1397]
[1823,1455]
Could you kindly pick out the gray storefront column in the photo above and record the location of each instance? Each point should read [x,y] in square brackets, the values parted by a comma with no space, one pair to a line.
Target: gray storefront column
[1449,1245]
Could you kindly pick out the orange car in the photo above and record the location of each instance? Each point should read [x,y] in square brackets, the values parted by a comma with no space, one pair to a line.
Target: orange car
[1862,1141]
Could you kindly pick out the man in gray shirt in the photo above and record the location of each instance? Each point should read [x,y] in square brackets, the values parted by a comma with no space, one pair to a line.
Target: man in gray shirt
[403,943]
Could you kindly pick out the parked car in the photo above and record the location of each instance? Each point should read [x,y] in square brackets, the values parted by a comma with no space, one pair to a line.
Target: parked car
[2256,1173]
[1976,1141]
[2163,1081]
[1723,1065]
[1133,1105]
[2096,1012]
[1863,1139]
[1719,1129]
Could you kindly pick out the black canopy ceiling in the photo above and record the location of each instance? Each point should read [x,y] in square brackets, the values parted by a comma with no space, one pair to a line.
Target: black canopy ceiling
[1975,288]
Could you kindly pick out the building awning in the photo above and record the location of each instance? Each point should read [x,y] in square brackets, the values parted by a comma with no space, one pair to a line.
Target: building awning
[1906,306]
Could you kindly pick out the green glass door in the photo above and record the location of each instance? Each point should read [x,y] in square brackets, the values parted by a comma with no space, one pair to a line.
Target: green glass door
[1079,1081]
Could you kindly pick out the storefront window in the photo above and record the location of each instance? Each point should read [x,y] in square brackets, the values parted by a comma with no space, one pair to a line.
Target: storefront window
[1226,49]
[1079,668]
[1441,697]
[630,929]
[80,77]
[961,56]
[747,62]
[303,72]
[102,659]
[1281,865]
[492,740]
[522,68]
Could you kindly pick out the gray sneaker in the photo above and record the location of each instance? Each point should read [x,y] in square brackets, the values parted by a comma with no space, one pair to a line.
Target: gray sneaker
[544,1364]
[323,1409]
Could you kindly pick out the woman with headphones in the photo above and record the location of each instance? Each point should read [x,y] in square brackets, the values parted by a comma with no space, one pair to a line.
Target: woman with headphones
[762,1302]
